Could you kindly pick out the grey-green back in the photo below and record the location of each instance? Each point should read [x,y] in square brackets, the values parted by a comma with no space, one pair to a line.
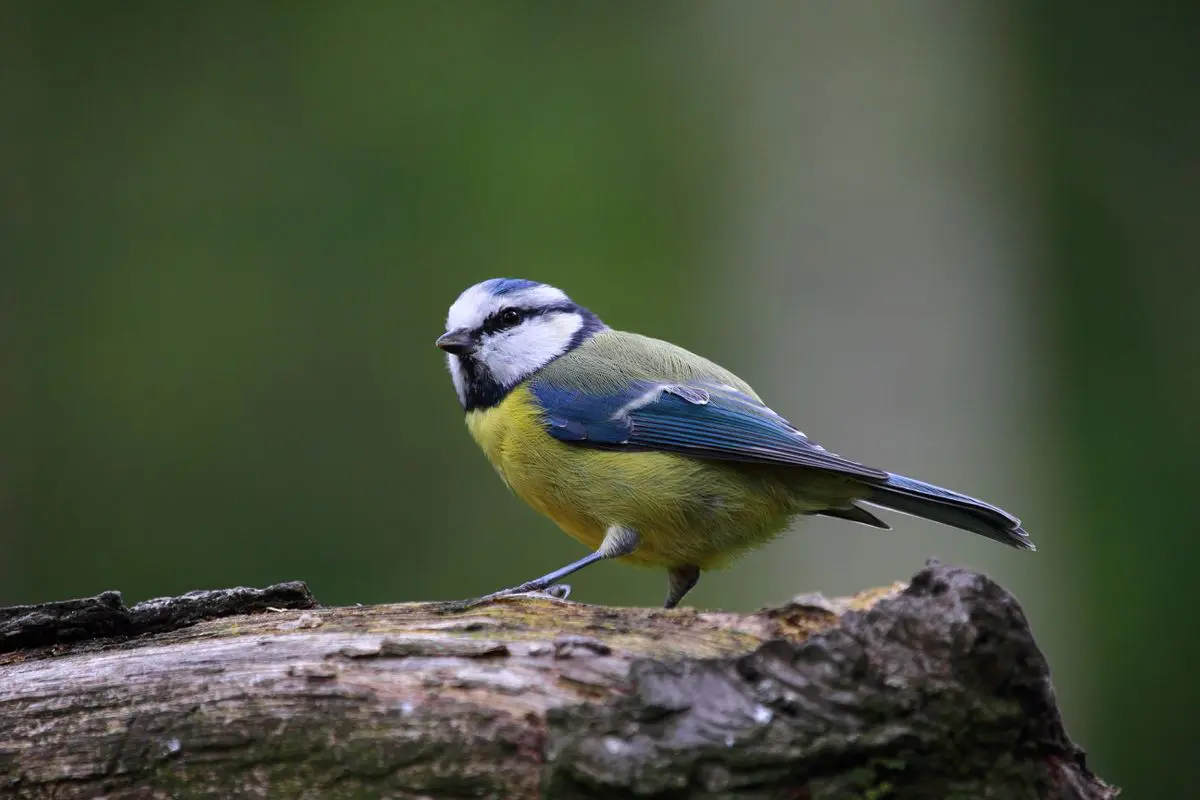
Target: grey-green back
[609,361]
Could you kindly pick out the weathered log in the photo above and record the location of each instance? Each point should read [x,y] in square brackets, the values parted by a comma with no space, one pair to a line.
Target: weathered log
[936,689]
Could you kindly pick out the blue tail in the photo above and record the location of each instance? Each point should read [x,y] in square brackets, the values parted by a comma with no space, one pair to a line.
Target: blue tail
[927,501]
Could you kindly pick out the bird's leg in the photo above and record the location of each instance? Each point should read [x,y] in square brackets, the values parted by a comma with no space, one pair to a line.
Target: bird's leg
[680,581]
[618,541]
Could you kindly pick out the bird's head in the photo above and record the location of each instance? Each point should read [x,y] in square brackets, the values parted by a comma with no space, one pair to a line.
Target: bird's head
[501,331]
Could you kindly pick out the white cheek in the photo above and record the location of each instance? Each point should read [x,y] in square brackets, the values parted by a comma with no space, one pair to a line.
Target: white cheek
[512,356]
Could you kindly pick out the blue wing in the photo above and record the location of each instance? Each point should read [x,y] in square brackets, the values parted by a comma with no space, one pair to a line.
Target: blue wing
[697,419]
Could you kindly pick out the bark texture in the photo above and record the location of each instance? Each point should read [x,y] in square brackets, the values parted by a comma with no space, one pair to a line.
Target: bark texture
[935,689]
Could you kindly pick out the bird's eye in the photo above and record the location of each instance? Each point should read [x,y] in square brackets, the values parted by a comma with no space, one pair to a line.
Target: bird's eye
[510,317]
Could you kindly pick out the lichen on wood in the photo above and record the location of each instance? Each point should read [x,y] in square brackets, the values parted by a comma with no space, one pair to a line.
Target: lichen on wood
[935,689]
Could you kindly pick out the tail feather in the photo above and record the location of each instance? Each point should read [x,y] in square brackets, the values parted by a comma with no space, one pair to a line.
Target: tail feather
[857,514]
[920,499]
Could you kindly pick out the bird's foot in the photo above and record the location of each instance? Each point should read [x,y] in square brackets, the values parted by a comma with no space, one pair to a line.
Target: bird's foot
[557,591]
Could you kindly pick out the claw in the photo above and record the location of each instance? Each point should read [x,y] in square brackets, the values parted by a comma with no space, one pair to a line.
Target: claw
[558,591]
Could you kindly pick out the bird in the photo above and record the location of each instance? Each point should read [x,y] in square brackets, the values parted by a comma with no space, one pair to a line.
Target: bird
[647,453]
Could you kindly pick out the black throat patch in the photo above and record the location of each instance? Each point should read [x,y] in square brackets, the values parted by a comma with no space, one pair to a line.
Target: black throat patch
[480,389]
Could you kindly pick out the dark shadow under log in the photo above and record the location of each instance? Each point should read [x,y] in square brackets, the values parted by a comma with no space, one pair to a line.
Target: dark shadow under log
[936,689]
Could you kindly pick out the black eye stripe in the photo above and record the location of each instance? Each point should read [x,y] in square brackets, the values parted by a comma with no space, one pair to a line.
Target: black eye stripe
[496,322]
[499,320]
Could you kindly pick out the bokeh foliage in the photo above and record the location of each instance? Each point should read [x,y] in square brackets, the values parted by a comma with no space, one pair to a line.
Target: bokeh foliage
[245,226]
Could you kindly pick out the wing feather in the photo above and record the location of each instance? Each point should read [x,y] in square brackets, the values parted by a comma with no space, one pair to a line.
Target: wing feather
[696,418]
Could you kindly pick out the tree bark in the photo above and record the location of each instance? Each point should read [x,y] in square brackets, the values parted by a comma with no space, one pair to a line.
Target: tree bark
[935,689]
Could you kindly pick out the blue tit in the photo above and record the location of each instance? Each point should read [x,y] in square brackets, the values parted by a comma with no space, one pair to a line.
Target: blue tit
[647,453]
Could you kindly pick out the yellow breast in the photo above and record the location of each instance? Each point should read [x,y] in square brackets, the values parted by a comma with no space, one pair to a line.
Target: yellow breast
[533,464]
[687,511]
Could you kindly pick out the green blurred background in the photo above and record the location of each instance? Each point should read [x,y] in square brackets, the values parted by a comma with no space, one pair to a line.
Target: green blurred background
[954,240]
